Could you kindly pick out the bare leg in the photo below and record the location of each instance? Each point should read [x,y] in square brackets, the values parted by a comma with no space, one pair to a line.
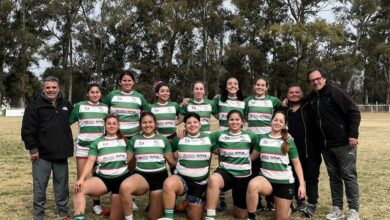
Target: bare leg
[93,186]
[132,185]
[258,185]
[155,205]
[215,183]
[195,211]
[116,208]
[282,208]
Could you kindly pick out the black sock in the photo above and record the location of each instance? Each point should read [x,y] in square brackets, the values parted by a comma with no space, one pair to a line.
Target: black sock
[251,216]
[96,202]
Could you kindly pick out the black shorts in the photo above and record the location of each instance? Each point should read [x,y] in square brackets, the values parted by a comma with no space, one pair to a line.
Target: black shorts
[195,193]
[113,184]
[284,191]
[155,180]
[238,186]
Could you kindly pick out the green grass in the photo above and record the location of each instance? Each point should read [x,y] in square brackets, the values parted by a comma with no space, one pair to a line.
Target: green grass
[373,170]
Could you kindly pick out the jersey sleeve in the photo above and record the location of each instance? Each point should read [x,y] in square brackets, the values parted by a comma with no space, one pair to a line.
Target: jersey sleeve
[148,107]
[130,144]
[214,109]
[168,147]
[246,109]
[255,140]
[107,99]
[144,103]
[93,148]
[216,102]
[257,146]
[74,115]
[292,152]
[276,102]
[184,109]
[175,144]
[213,143]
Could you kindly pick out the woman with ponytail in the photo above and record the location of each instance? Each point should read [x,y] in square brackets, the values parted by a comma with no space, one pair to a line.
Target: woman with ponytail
[110,153]
[276,150]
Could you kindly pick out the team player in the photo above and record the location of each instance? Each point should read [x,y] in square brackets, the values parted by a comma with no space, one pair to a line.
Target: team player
[258,112]
[231,98]
[151,151]
[194,154]
[234,171]
[276,151]
[89,114]
[127,104]
[110,154]
[200,105]
[166,111]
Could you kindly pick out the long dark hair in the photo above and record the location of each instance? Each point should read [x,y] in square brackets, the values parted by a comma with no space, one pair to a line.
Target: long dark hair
[118,133]
[130,73]
[147,113]
[91,85]
[285,137]
[224,92]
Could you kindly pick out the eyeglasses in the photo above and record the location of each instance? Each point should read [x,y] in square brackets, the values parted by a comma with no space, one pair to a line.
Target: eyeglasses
[315,80]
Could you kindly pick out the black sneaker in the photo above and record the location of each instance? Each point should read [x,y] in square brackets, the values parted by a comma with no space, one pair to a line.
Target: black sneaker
[301,206]
[310,210]
[222,205]
[270,207]
[259,208]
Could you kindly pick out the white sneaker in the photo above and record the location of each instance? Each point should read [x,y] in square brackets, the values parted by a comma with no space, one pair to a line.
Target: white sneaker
[97,209]
[353,215]
[135,207]
[335,213]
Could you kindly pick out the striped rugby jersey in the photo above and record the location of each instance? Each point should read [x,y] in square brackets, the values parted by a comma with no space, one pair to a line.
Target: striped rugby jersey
[165,116]
[204,109]
[225,107]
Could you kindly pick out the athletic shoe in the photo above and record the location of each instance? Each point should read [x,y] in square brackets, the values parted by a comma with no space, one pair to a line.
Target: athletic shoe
[221,205]
[97,209]
[353,214]
[301,206]
[335,213]
[106,211]
[260,207]
[270,207]
[310,210]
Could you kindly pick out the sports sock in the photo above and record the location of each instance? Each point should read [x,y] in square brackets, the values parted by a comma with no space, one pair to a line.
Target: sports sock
[168,213]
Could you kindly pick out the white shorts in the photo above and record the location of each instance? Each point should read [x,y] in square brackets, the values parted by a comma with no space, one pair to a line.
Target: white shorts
[81,152]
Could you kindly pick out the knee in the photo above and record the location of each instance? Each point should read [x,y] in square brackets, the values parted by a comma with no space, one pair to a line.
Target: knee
[125,189]
[213,182]
[252,188]
[168,186]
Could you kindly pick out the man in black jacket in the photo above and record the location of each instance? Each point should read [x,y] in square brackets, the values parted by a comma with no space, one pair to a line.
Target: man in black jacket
[48,138]
[337,120]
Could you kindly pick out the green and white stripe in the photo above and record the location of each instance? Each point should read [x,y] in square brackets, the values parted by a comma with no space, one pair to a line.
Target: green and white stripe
[149,152]
[225,107]
[274,164]
[165,116]
[194,157]
[234,151]
[258,111]
[111,156]
[128,107]
[204,109]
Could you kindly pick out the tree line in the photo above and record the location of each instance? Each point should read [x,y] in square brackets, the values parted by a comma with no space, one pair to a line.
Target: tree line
[182,41]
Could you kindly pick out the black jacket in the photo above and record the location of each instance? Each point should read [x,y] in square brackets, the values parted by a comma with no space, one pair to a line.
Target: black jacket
[46,128]
[335,116]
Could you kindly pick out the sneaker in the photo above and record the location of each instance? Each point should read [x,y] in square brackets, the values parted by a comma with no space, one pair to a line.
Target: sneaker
[335,213]
[97,209]
[270,207]
[310,210]
[259,208]
[135,207]
[222,205]
[301,206]
[353,215]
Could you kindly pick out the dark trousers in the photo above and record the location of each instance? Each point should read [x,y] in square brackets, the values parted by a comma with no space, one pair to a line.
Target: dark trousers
[41,170]
[311,172]
[341,165]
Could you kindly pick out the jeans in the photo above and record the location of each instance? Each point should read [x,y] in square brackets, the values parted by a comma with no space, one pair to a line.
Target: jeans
[341,165]
[41,170]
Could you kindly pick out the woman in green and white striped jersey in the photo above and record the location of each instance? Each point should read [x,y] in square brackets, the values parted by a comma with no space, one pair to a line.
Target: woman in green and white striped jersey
[89,115]
[276,150]
[234,171]
[150,151]
[110,154]
[166,111]
[192,170]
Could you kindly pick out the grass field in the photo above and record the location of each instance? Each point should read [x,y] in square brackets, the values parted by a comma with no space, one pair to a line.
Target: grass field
[373,170]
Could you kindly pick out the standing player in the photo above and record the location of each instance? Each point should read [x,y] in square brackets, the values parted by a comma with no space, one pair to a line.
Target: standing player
[89,115]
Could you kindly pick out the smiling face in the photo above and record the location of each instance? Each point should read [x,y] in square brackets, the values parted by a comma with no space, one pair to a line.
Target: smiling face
[198,91]
[192,126]
[235,122]
[260,87]
[126,83]
[51,89]
[278,122]
[294,94]
[112,126]
[232,86]
[94,94]
[163,94]
[148,125]
[317,82]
